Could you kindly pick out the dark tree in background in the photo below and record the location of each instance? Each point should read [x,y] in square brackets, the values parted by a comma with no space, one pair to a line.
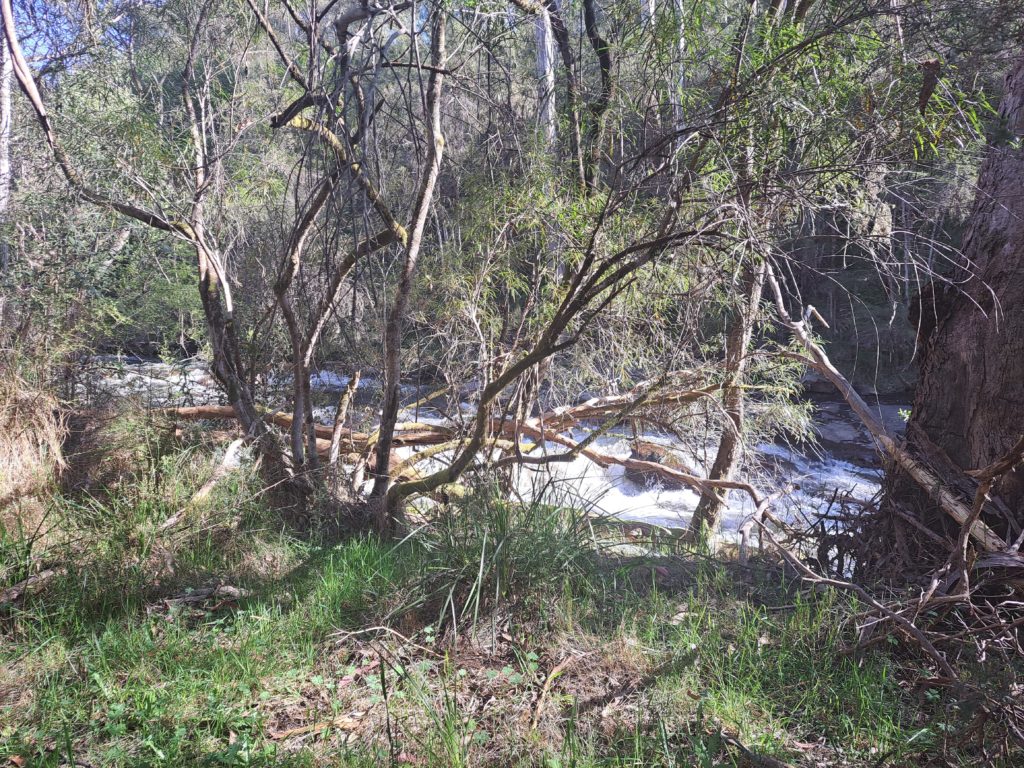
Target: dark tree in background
[969,406]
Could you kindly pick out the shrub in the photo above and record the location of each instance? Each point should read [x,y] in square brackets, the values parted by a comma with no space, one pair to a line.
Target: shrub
[486,551]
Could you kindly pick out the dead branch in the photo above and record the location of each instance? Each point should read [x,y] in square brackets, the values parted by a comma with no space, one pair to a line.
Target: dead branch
[901,621]
[228,464]
[639,465]
[30,585]
[340,415]
[948,501]
[435,439]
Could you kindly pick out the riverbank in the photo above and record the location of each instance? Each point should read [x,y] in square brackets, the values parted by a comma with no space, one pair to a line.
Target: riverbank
[501,635]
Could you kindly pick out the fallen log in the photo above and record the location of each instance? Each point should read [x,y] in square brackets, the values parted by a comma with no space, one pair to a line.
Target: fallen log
[546,427]
[31,585]
[565,417]
[407,433]
[416,434]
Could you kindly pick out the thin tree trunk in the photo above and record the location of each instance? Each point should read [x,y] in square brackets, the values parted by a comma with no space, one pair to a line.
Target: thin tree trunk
[647,10]
[741,330]
[547,114]
[599,107]
[678,88]
[396,319]
[340,415]
[572,87]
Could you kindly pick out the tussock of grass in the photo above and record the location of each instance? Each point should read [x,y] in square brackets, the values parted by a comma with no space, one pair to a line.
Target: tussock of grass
[498,634]
[485,554]
[32,431]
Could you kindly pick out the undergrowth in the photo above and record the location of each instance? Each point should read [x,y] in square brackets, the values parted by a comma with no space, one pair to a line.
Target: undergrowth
[497,633]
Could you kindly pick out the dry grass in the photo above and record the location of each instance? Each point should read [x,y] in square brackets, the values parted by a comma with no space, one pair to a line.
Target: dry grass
[32,432]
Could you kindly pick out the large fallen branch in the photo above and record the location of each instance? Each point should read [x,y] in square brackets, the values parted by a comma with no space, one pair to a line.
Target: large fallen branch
[948,501]
[419,434]
[652,468]
[507,435]
[560,419]
[230,463]
[410,433]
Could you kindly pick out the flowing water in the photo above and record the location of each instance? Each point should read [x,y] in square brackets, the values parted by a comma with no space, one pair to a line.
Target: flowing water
[842,462]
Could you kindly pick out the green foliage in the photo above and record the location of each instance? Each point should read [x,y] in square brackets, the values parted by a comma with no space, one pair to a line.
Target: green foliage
[485,552]
[116,670]
[761,138]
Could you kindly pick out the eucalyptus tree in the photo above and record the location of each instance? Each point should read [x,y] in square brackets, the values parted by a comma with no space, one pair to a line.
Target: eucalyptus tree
[966,415]
[387,153]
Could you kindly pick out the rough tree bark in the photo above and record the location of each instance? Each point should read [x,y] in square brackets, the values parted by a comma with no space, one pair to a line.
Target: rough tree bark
[969,405]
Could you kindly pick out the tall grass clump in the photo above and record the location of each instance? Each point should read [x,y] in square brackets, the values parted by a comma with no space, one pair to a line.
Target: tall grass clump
[32,431]
[486,551]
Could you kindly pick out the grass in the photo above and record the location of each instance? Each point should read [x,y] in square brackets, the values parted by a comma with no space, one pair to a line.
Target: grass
[499,634]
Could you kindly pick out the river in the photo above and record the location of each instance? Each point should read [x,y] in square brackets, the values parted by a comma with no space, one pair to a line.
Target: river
[840,463]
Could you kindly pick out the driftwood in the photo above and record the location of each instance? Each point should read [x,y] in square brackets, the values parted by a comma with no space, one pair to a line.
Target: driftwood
[563,418]
[949,502]
[221,592]
[414,433]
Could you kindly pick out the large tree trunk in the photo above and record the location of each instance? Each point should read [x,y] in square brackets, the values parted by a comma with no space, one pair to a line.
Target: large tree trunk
[969,406]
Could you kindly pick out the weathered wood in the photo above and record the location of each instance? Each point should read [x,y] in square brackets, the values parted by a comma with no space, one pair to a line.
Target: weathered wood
[507,434]
[950,503]
[32,584]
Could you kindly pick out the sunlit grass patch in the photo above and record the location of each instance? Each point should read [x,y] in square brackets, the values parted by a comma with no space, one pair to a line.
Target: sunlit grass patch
[497,634]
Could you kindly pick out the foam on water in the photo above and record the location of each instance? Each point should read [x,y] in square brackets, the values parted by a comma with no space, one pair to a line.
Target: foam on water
[815,476]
